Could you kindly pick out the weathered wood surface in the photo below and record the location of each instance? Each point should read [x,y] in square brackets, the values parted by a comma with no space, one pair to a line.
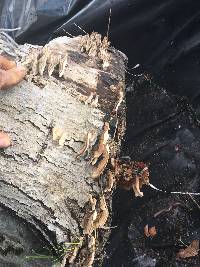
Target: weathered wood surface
[44,182]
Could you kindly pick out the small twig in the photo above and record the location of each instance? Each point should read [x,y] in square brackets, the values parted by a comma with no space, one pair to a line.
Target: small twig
[68,33]
[109,20]
[130,73]
[135,67]
[10,30]
[10,39]
[167,209]
[183,242]
[109,227]
[80,28]
[194,201]
[178,193]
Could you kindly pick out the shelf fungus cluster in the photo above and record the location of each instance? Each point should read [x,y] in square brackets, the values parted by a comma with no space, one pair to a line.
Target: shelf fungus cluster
[66,121]
[95,218]
[132,175]
[95,46]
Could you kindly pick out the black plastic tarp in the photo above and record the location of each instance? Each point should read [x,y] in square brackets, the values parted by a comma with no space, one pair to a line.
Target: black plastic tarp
[162,36]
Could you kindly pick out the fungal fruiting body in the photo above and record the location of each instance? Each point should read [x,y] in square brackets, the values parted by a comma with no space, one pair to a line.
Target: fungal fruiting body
[102,216]
[75,251]
[47,58]
[89,98]
[90,217]
[90,139]
[102,164]
[95,46]
[95,101]
[132,175]
[120,91]
[88,259]
[103,53]
[100,154]
[86,146]
[136,187]
[110,181]
[101,151]
[59,135]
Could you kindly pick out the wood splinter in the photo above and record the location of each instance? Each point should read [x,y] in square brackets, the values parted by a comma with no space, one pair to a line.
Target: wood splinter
[48,58]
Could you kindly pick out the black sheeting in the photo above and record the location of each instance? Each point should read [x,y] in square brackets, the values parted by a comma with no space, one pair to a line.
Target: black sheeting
[163,131]
[162,36]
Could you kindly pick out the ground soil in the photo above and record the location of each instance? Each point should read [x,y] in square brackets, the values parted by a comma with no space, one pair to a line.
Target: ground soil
[163,131]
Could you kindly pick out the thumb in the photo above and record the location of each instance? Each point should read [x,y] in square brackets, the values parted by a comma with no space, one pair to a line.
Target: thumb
[11,77]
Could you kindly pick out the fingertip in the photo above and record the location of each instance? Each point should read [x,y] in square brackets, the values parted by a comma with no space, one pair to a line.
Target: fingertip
[12,77]
[6,63]
[21,69]
[4,140]
[12,64]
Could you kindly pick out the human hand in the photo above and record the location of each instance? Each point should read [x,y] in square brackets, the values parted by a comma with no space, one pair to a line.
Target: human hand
[10,75]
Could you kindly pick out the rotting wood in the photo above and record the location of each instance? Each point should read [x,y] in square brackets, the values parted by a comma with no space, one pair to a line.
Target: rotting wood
[46,176]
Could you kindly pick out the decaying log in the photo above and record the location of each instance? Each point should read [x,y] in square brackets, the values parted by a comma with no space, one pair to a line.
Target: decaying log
[66,121]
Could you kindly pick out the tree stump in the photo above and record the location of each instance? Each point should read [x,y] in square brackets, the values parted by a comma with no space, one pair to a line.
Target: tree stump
[66,122]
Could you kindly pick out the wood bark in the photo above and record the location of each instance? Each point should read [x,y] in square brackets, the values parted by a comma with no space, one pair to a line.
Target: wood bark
[41,179]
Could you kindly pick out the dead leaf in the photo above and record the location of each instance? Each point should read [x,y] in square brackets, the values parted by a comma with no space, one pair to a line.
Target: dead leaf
[191,251]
